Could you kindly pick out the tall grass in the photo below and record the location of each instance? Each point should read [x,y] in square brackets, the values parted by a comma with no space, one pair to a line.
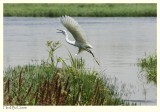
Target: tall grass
[46,84]
[87,10]
[148,66]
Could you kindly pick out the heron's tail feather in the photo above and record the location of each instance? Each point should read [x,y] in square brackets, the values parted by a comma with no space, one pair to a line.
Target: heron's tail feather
[80,50]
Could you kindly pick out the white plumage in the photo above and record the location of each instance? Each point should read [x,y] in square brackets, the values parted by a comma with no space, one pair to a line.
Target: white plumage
[77,32]
[74,28]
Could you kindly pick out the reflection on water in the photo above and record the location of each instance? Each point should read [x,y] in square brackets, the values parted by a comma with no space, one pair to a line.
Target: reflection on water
[117,42]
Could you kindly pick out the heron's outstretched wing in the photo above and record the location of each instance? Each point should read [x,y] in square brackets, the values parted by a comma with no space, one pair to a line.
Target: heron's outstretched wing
[74,28]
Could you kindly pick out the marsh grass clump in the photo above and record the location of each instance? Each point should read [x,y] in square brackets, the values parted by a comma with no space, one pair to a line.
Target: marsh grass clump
[148,66]
[46,84]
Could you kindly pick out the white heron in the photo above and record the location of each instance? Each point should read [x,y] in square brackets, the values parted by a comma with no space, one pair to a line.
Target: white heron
[77,32]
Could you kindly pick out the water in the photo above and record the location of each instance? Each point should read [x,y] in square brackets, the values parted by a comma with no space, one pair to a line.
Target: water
[118,43]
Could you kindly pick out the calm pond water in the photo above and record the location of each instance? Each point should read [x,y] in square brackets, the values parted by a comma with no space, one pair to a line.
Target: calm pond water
[118,44]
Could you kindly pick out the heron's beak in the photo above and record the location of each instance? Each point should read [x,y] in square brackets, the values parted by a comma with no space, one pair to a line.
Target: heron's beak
[59,31]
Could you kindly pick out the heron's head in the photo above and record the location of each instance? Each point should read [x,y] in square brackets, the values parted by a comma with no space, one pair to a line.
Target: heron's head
[61,31]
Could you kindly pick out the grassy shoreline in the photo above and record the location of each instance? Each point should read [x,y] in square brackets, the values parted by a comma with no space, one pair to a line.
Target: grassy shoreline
[46,84]
[72,84]
[85,10]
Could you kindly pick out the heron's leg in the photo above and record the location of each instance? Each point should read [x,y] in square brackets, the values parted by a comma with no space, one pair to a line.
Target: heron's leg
[92,55]
[90,52]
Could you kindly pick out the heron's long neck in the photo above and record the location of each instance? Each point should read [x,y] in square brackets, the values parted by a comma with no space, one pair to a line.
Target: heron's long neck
[68,41]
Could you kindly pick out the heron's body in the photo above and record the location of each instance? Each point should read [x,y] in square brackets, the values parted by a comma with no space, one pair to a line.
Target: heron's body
[77,32]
